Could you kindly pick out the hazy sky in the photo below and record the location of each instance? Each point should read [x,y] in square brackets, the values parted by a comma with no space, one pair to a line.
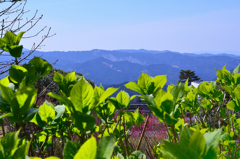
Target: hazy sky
[176,25]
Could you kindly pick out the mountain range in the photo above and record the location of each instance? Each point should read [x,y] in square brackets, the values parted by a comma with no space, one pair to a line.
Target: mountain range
[118,66]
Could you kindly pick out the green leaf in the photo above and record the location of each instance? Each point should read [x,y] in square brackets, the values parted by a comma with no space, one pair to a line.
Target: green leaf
[139,118]
[198,141]
[59,109]
[236,70]
[237,95]
[123,99]
[232,106]
[15,50]
[70,150]
[135,87]
[212,140]
[185,136]
[63,100]
[97,94]
[152,105]
[107,93]
[59,78]
[9,143]
[159,81]
[88,150]
[46,113]
[25,98]
[7,93]
[84,121]
[30,114]
[4,82]
[82,96]
[206,104]
[37,120]
[38,64]
[17,73]
[32,75]
[137,155]
[4,106]
[18,38]
[105,147]
[42,66]
[178,92]
[144,82]
[71,78]
[22,151]
[180,152]
[46,69]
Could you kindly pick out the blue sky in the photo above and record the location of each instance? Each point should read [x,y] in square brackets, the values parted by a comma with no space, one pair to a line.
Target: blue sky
[176,25]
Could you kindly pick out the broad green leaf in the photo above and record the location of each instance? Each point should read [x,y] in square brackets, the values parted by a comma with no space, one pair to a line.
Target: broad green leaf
[71,78]
[63,100]
[82,96]
[7,93]
[17,73]
[97,94]
[105,147]
[135,87]
[37,120]
[70,150]
[159,81]
[88,150]
[180,152]
[4,82]
[25,98]
[4,106]
[178,92]
[198,141]
[107,93]
[139,118]
[59,78]
[157,111]
[9,143]
[185,136]
[46,113]
[84,121]
[32,75]
[46,69]
[38,64]
[212,140]
[59,109]
[30,114]
[236,78]
[144,82]
[9,38]
[232,106]
[18,38]
[123,99]
[42,66]
[236,70]
[22,151]
[206,104]
[15,50]
[237,95]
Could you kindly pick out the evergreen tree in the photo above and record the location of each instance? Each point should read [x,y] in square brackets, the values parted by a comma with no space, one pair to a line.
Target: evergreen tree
[188,74]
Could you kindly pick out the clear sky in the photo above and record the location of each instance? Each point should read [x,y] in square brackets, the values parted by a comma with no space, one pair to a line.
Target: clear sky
[176,25]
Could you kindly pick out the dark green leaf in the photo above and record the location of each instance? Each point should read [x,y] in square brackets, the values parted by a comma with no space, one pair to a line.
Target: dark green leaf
[105,147]
[70,150]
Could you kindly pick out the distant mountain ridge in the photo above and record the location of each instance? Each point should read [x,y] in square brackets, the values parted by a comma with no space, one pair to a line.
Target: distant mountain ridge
[117,66]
